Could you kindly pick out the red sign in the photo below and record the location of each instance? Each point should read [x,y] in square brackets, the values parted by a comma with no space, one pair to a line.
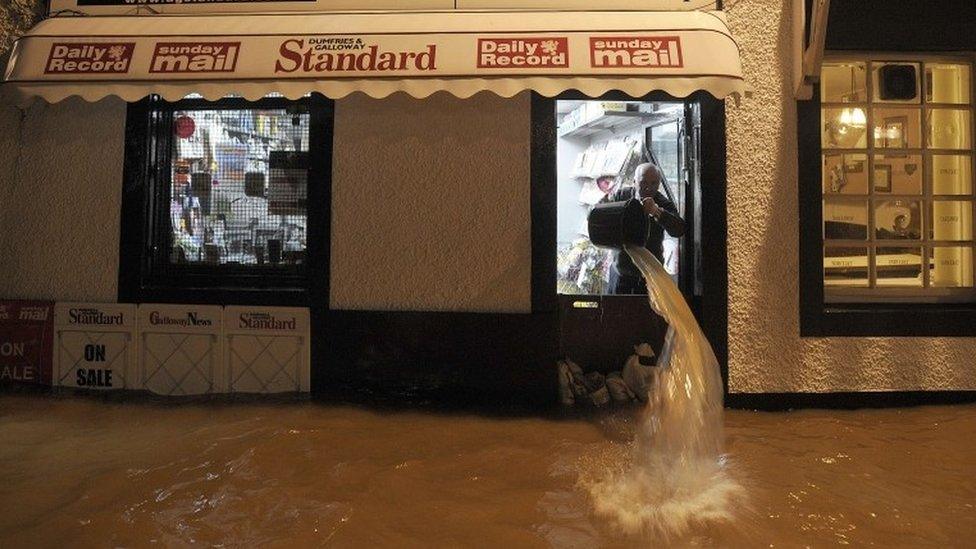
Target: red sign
[89,58]
[504,53]
[184,126]
[330,54]
[635,52]
[26,333]
[176,57]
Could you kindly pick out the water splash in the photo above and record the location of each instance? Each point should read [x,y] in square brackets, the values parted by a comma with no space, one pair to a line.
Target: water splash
[674,476]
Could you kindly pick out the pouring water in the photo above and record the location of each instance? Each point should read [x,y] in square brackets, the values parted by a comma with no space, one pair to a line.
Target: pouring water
[675,476]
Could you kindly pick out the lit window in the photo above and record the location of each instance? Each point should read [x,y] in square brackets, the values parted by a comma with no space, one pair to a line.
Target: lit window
[897,180]
[238,189]
[217,197]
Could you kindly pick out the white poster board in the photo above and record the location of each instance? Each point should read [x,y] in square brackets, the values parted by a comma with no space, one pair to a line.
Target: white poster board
[181,349]
[266,349]
[95,346]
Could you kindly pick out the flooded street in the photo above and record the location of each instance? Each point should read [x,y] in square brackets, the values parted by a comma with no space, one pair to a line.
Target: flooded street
[85,472]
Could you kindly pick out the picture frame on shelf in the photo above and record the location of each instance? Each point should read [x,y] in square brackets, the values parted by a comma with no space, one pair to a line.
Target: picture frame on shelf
[882,178]
[853,166]
[893,132]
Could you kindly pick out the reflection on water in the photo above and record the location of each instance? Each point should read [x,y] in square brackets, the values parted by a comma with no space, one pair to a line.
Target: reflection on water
[83,472]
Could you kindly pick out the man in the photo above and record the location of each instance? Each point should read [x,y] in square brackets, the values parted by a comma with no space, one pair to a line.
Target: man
[663,216]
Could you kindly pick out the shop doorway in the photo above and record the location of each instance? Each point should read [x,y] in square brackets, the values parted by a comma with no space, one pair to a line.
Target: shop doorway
[600,145]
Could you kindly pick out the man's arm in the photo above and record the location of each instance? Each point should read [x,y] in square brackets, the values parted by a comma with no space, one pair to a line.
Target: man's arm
[665,213]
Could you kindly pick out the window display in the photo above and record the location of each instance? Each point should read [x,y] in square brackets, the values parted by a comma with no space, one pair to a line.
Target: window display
[951,174]
[843,82]
[947,83]
[904,188]
[846,266]
[238,187]
[845,174]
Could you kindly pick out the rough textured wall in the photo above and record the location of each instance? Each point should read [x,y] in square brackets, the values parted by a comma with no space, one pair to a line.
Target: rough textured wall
[16,16]
[61,196]
[430,204]
[766,352]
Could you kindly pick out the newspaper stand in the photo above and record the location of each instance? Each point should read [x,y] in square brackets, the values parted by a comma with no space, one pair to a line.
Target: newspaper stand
[95,346]
[180,349]
[266,349]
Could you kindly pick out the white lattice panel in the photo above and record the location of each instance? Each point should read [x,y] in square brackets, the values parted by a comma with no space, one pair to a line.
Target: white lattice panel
[181,349]
[267,349]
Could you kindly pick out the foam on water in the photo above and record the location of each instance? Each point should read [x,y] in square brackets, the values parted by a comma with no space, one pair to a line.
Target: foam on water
[674,476]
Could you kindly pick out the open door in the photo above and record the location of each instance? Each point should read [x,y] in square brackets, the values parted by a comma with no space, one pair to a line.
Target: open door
[600,145]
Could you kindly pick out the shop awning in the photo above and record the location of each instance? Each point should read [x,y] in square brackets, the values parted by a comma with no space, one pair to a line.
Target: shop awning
[378,53]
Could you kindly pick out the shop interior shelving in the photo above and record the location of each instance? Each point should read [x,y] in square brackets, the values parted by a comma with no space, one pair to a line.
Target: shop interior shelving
[612,119]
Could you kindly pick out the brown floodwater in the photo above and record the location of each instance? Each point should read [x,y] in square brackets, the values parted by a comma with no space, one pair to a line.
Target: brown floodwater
[89,472]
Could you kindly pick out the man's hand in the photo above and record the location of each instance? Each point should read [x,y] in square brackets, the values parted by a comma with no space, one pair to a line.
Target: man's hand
[651,207]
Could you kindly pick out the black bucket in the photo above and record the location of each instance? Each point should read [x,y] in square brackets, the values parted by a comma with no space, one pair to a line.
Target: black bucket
[616,224]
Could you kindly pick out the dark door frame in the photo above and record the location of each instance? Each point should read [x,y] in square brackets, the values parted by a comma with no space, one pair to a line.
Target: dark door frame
[712,307]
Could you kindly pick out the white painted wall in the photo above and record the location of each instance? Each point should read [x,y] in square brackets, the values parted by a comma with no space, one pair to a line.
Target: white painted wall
[60,200]
[430,204]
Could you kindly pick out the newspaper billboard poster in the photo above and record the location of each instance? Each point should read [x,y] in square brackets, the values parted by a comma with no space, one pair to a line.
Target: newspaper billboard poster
[26,335]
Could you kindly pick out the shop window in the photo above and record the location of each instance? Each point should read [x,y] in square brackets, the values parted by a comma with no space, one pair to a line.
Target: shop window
[224,190]
[896,139]
[237,194]
[600,144]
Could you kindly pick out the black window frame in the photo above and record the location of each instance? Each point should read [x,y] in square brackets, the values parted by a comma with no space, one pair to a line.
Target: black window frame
[893,29]
[819,318]
[145,273]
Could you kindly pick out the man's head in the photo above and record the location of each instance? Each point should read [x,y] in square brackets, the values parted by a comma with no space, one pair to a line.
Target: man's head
[648,178]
